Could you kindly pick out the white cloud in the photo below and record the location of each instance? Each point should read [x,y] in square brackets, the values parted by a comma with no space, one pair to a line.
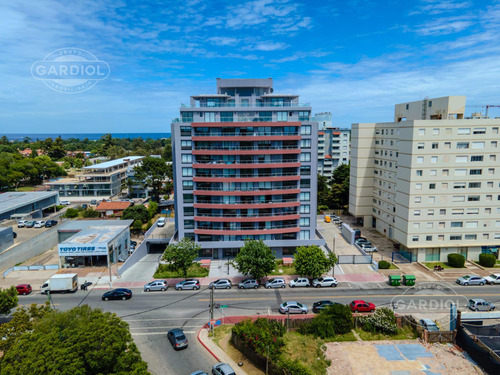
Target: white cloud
[269,46]
[223,41]
[443,26]
[433,7]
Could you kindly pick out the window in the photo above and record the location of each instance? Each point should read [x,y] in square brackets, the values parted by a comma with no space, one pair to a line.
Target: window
[462,145]
[420,146]
[473,198]
[434,159]
[435,131]
[457,211]
[493,157]
[446,172]
[305,209]
[305,130]
[458,198]
[494,144]
[305,143]
[419,172]
[475,171]
[460,172]
[476,158]
[459,185]
[444,185]
[187,117]
[305,170]
[442,211]
[416,225]
[414,238]
[209,116]
[463,131]
[187,198]
[432,199]
[304,235]
[305,156]
[304,222]
[430,225]
[477,144]
[435,145]
[304,116]
[187,185]
[418,199]
[305,183]
[479,131]
[416,213]
[472,211]
[471,224]
[188,224]
[420,159]
[455,237]
[457,224]
[185,131]
[188,211]
[491,170]
[428,238]
[494,130]
[226,116]
[430,212]
[187,158]
[282,116]
[305,196]
[461,159]
[470,237]
[447,144]
[418,186]
[432,186]
[187,172]
[186,145]
[421,131]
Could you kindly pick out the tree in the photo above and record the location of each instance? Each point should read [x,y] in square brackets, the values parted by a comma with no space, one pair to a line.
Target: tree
[152,209]
[8,299]
[79,341]
[152,172]
[71,213]
[180,256]
[56,150]
[311,261]
[255,259]
[138,212]
[90,213]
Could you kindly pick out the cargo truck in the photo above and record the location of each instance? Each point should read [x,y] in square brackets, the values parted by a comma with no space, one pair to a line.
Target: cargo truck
[61,283]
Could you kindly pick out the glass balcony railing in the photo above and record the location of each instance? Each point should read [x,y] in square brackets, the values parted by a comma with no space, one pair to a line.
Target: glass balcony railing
[247,189]
[200,225]
[248,215]
[246,161]
[259,104]
[213,175]
[244,148]
[260,201]
[240,134]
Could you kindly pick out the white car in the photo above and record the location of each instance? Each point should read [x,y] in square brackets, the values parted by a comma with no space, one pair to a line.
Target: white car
[299,282]
[325,281]
[368,248]
[39,224]
[494,278]
[65,203]
[161,222]
[21,223]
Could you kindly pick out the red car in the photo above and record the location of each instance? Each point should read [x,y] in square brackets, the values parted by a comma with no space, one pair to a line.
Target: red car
[362,306]
[23,289]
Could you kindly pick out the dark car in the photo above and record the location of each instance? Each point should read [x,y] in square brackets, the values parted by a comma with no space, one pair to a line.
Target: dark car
[120,293]
[177,338]
[133,243]
[23,289]
[50,223]
[321,305]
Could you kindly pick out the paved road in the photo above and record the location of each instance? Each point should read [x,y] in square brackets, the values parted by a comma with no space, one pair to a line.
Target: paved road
[151,315]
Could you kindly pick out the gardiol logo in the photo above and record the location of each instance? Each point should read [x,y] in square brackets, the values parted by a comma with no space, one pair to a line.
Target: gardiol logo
[70,70]
[429,300]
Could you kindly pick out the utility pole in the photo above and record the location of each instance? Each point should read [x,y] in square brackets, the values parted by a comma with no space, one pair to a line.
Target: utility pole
[212,311]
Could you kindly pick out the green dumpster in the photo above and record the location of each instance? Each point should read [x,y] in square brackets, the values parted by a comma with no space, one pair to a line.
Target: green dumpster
[409,280]
[394,280]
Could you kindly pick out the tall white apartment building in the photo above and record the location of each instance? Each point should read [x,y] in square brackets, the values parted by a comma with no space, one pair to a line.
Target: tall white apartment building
[334,148]
[430,180]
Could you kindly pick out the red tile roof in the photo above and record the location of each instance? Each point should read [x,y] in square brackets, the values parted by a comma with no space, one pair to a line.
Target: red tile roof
[106,206]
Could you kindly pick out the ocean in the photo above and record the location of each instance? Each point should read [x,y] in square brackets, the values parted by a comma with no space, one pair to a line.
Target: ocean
[90,136]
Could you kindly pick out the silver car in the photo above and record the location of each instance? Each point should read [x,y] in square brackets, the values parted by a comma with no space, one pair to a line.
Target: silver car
[155,285]
[277,282]
[494,278]
[471,280]
[220,284]
[222,369]
[325,281]
[299,282]
[478,304]
[248,284]
[293,307]
[188,284]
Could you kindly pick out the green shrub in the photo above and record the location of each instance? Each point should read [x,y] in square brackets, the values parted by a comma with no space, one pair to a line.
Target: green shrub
[456,260]
[89,213]
[487,260]
[263,335]
[71,212]
[290,367]
[384,265]
[334,320]
[382,321]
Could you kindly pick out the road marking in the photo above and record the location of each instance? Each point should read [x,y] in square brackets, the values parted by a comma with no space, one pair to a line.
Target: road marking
[155,333]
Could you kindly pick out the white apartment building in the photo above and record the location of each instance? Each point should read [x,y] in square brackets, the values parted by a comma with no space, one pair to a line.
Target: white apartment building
[430,181]
[334,148]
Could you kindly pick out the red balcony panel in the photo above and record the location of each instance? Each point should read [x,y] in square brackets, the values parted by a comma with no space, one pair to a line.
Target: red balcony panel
[247,166]
[242,124]
[247,232]
[246,219]
[248,138]
[235,206]
[246,152]
[246,193]
[246,179]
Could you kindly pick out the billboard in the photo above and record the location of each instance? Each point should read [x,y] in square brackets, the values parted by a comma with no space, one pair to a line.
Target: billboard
[82,249]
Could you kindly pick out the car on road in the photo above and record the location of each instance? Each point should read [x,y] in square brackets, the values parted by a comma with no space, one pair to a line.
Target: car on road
[39,224]
[156,285]
[368,248]
[220,284]
[161,222]
[177,338]
[293,307]
[248,284]
[361,306]
[30,224]
[50,223]
[321,305]
[299,282]
[471,280]
[21,223]
[325,281]
[222,369]
[478,304]
[188,284]
[429,325]
[120,293]
[494,278]
[24,289]
[276,282]
[65,203]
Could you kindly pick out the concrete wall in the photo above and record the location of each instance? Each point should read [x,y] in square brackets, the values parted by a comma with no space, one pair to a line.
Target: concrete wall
[28,249]
[6,238]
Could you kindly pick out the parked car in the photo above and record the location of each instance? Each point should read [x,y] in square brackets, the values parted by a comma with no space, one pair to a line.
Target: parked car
[429,325]
[85,206]
[21,223]
[299,282]
[50,223]
[248,284]
[133,243]
[478,304]
[321,305]
[156,285]
[161,222]
[93,201]
[177,338]
[188,284]
[361,306]
[494,278]
[362,240]
[65,203]
[368,248]
[220,284]
[471,280]
[29,224]
[24,289]
[222,369]
[277,282]
[293,307]
[39,224]
[325,281]
[357,233]
[120,293]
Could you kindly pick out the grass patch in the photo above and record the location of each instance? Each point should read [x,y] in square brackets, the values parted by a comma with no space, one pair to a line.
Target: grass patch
[405,333]
[349,336]
[430,265]
[281,270]
[306,349]
[194,271]
[393,267]
[26,188]
[221,332]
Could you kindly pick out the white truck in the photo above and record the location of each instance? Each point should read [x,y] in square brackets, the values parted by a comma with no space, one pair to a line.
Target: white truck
[61,283]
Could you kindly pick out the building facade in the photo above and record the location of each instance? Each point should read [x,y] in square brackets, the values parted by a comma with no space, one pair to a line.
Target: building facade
[324,120]
[24,205]
[432,184]
[245,162]
[334,148]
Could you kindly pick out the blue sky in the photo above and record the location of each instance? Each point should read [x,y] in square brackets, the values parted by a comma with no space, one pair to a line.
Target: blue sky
[353,58]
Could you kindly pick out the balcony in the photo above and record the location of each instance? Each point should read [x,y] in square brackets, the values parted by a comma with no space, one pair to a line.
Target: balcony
[247,164]
[248,205]
[278,229]
[244,124]
[221,192]
[247,219]
[246,150]
[265,136]
[260,177]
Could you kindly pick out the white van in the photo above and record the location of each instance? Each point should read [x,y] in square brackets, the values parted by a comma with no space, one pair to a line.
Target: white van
[161,222]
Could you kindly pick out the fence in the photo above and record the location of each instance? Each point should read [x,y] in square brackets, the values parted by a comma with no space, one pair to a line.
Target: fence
[138,253]
[31,268]
[482,344]
[402,257]
[354,259]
